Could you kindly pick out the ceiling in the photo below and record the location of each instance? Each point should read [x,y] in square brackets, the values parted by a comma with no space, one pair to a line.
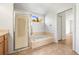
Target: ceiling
[43,8]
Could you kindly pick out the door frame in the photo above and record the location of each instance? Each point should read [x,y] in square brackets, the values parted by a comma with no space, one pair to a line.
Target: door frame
[57,27]
[73,24]
[15,12]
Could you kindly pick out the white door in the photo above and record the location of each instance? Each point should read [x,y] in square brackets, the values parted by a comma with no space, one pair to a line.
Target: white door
[59,27]
[21,31]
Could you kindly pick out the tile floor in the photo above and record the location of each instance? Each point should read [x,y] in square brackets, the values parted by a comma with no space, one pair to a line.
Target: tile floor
[63,47]
[51,49]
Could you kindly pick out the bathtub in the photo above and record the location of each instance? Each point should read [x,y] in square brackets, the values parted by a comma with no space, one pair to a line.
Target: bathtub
[41,40]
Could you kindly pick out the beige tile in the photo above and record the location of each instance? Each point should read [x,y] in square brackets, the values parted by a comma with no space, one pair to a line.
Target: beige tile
[61,48]
[51,49]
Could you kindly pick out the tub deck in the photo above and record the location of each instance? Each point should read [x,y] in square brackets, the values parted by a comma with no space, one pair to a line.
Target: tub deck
[41,40]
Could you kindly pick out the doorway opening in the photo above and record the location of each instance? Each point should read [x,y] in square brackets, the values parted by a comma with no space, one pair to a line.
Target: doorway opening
[64,27]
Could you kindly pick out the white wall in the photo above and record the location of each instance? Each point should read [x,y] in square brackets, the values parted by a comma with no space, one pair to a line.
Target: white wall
[67,26]
[6,21]
[77,29]
[69,19]
[50,23]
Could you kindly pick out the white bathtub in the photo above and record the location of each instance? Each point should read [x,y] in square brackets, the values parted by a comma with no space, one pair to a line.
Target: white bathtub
[40,40]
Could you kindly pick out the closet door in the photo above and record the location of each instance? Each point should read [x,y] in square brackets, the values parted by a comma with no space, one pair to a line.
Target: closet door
[21,31]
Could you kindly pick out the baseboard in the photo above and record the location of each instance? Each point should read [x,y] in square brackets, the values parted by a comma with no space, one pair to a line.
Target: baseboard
[15,51]
[76,52]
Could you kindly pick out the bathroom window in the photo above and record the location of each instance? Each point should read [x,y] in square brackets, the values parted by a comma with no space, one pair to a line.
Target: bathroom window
[37,19]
